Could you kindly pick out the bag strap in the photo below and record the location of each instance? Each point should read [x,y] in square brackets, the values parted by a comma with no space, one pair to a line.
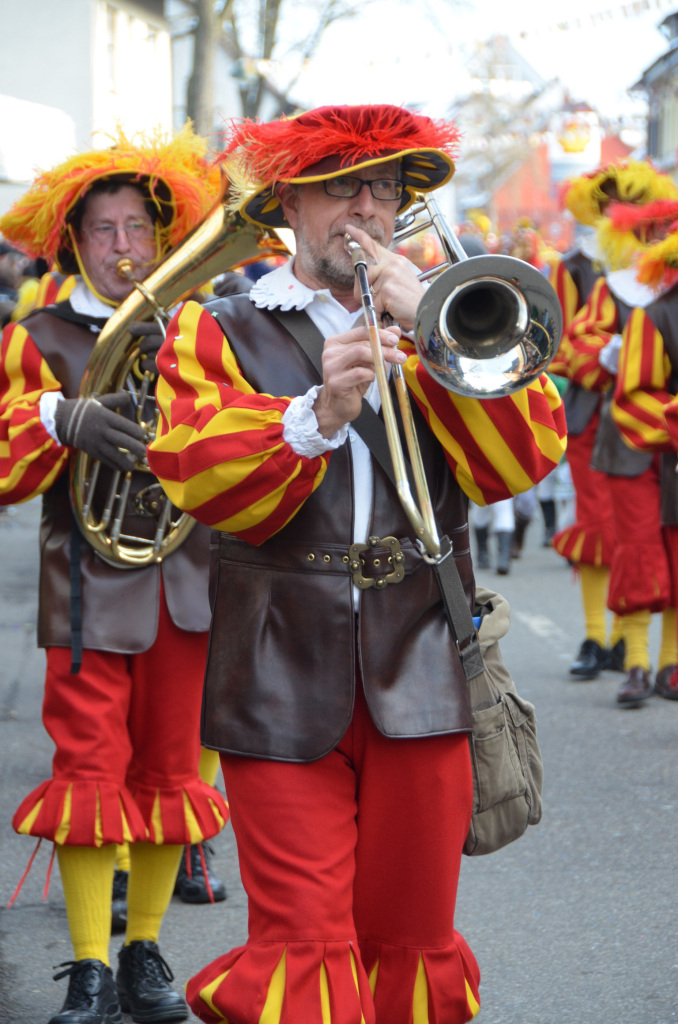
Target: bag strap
[370,427]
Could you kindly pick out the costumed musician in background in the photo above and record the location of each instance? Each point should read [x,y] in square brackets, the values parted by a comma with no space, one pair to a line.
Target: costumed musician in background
[644,406]
[125,648]
[639,576]
[589,542]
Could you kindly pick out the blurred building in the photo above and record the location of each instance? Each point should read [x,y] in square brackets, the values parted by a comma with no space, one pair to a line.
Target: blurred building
[659,84]
[69,72]
[523,136]
[574,144]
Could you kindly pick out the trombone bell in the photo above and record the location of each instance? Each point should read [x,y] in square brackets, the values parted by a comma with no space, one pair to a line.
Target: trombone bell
[488,326]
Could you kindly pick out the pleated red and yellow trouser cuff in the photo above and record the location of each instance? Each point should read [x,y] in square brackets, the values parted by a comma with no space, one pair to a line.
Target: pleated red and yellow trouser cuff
[328,982]
[126,729]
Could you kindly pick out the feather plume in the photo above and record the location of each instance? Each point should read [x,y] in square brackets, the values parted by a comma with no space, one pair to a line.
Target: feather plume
[281,150]
[36,223]
[658,266]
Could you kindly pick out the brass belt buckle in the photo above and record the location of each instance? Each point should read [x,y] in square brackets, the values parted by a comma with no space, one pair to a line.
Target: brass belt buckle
[396,560]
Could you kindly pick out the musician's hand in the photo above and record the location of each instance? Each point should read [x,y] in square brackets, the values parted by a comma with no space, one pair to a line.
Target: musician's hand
[348,371]
[150,336]
[395,285]
[96,426]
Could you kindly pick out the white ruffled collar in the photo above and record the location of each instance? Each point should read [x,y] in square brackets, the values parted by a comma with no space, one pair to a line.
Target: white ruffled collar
[282,290]
[625,286]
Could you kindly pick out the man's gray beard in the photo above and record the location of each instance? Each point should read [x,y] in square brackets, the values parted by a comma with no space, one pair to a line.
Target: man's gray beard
[334,275]
[331,270]
[334,270]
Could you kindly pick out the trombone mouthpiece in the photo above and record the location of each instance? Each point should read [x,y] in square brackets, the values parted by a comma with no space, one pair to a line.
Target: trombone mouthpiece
[125,268]
[356,252]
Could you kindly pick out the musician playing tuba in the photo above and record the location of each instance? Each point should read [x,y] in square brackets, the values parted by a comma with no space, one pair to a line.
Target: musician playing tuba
[125,649]
[334,689]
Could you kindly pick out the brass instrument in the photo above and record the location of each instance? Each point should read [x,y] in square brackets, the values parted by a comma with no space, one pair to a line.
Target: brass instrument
[487,327]
[223,241]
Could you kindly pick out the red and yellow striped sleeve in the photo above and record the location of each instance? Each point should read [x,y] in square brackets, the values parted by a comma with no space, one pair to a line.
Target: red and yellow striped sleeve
[563,284]
[220,454]
[589,333]
[53,287]
[219,450]
[496,447]
[30,460]
[562,361]
[641,395]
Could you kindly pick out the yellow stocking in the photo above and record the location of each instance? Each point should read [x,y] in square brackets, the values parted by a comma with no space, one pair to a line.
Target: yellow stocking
[87,877]
[153,872]
[636,628]
[209,765]
[616,632]
[668,652]
[594,582]
[122,857]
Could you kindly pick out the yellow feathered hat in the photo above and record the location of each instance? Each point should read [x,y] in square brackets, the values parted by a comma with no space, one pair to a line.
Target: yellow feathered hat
[181,182]
[633,181]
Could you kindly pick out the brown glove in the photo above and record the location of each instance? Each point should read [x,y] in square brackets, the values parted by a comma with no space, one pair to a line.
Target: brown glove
[152,337]
[92,425]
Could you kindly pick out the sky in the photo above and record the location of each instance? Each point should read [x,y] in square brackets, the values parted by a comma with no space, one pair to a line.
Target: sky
[414,51]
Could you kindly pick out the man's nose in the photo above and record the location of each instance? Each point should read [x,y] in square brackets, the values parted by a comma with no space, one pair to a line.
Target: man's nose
[121,241]
[364,203]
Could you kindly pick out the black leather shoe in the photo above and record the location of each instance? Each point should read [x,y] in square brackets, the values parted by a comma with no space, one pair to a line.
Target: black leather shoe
[615,661]
[143,982]
[195,884]
[92,998]
[666,682]
[119,902]
[590,661]
[636,688]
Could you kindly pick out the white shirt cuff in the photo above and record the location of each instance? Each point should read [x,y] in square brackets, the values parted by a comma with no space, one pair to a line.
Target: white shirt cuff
[300,427]
[48,404]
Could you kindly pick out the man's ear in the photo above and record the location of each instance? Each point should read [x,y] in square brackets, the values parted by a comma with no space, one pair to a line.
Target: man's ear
[289,200]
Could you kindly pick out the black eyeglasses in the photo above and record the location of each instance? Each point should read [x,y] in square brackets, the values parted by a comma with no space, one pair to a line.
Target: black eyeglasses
[345,187]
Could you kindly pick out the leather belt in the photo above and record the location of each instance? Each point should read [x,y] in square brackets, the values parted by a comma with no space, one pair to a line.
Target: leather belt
[377,563]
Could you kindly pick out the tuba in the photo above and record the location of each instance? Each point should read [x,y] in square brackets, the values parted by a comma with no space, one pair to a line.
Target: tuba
[106,502]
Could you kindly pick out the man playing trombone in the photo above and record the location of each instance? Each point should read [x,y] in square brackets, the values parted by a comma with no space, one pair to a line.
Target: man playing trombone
[334,689]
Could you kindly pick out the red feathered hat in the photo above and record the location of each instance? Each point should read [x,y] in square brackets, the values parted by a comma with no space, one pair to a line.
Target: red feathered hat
[322,143]
[630,218]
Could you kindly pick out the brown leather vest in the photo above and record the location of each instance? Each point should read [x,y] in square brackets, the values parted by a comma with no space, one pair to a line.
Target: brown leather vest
[119,606]
[281,670]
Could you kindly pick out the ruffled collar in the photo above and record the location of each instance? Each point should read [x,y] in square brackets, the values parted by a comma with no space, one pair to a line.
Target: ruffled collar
[625,286]
[282,290]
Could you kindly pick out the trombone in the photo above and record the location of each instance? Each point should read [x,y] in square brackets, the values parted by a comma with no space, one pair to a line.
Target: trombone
[486,327]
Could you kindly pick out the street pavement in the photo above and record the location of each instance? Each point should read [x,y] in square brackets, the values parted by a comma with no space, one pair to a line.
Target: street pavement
[575,922]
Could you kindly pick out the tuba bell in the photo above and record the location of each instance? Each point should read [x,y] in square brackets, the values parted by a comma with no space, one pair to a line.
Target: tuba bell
[126,517]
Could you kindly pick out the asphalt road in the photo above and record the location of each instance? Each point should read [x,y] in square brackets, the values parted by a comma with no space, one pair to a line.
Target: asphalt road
[575,922]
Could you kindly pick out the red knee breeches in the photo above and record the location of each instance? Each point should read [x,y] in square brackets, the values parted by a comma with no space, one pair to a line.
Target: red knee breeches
[351,866]
[126,731]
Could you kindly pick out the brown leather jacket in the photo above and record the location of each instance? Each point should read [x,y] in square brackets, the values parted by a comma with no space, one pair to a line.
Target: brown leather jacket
[119,606]
[284,646]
